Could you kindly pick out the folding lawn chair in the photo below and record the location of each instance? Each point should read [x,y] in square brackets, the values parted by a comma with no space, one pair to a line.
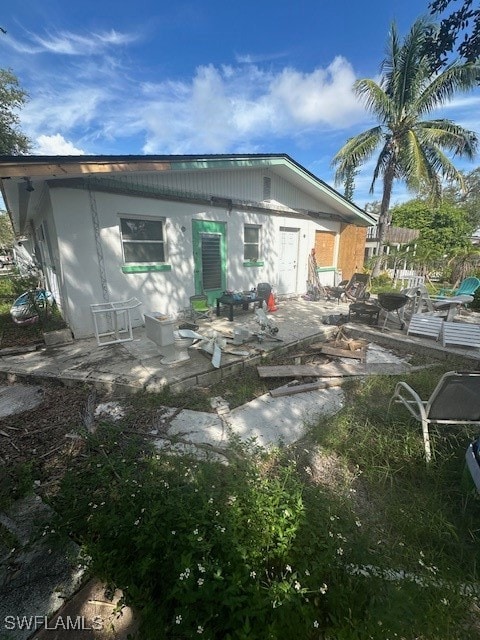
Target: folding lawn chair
[455,400]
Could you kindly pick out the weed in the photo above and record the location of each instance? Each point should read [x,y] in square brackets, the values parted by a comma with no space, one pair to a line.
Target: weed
[15,482]
[254,550]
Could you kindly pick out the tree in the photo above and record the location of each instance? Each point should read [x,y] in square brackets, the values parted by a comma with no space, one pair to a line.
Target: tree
[12,98]
[411,148]
[444,233]
[443,228]
[465,21]
[469,199]
[6,231]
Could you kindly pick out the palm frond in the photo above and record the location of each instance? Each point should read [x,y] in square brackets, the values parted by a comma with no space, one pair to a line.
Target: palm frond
[389,64]
[355,151]
[456,77]
[415,167]
[450,136]
[442,165]
[383,161]
[411,67]
[375,99]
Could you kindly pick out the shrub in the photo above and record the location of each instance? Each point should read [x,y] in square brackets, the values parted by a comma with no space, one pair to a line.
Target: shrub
[204,548]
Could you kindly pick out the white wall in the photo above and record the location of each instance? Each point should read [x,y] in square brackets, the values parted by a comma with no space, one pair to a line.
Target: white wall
[166,291]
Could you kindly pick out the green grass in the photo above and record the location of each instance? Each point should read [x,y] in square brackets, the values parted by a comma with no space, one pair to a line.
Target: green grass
[271,553]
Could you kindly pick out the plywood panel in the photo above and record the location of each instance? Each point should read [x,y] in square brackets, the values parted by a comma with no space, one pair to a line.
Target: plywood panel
[325,248]
[351,250]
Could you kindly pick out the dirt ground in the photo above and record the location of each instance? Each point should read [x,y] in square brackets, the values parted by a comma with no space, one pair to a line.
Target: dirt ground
[47,437]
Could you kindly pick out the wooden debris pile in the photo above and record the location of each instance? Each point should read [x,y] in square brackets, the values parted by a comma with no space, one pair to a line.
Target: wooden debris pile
[327,367]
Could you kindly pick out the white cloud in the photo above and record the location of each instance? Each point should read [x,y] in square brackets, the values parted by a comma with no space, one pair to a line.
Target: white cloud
[56,145]
[62,109]
[70,44]
[228,107]
[324,96]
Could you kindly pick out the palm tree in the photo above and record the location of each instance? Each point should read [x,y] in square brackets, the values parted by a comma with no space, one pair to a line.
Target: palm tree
[411,149]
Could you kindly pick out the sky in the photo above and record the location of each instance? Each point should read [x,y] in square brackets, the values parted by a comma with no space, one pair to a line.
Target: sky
[206,76]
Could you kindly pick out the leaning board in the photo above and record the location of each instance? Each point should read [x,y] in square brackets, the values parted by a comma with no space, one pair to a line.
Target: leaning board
[422,324]
[460,333]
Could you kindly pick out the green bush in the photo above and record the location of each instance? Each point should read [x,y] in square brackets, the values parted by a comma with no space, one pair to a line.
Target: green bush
[13,286]
[203,548]
[381,283]
[256,550]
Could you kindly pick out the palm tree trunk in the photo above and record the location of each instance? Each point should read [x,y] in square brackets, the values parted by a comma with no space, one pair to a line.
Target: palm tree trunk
[384,218]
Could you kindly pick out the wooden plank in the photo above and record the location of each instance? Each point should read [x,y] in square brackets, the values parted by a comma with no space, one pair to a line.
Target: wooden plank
[287,390]
[314,370]
[359,354]
[333,370]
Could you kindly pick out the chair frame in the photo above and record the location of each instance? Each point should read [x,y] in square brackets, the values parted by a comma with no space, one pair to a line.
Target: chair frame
[467,287]
[473,464]
[196,314]
[354,289]
[420,409]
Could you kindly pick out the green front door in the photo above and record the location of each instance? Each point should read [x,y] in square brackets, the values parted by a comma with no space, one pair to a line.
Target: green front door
[210,258]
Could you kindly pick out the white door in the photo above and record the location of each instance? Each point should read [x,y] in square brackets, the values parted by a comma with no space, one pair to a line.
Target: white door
[287,268]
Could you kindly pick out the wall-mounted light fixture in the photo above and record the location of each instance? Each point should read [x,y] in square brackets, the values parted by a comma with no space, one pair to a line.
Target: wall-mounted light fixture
[183,228]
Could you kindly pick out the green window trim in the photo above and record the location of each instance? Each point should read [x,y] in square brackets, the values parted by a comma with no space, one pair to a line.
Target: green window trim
[146,268]
[253,263]
[319,269]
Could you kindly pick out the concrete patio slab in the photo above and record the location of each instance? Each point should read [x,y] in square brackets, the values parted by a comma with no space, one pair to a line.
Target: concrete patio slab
[136,365]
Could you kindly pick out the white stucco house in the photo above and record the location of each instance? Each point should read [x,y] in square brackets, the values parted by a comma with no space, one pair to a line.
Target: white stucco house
[163,228]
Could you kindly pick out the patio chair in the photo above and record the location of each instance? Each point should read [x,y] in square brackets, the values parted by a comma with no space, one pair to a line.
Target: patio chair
[354,289]
[446,307]
[462,334]
[199,309]
[455,400]
[467,288]
[472,458]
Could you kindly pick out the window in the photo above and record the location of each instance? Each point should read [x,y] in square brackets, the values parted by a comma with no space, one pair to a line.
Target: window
[142,240]
[251,240]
